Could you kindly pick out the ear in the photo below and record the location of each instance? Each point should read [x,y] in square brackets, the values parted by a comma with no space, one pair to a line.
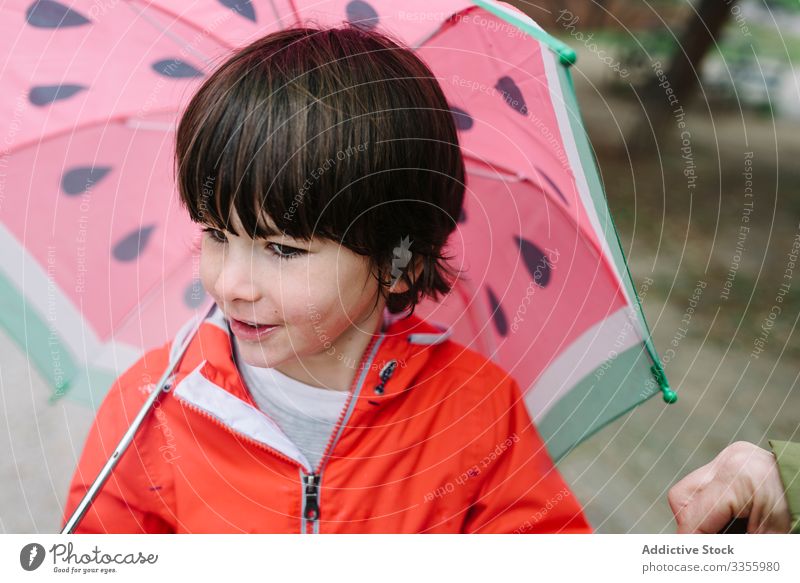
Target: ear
[401,286]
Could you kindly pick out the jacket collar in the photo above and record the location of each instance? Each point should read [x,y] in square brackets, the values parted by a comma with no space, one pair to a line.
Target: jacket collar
[389,366]
[208,380]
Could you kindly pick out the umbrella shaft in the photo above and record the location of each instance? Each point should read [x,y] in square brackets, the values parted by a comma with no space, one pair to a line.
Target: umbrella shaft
[162,387]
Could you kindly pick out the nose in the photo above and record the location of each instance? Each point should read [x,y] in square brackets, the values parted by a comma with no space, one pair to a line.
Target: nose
[237,280]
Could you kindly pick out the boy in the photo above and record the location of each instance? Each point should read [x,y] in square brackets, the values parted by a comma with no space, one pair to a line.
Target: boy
[325,168]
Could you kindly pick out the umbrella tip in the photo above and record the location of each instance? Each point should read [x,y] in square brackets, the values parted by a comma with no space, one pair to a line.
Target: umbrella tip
[567,56]
[667,393]
[669,396]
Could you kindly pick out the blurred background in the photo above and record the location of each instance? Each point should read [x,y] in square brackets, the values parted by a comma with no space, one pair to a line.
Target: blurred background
[693,109]
[709,216]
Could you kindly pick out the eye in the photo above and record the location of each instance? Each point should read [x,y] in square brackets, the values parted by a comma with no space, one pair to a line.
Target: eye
[215,235]
[284,251]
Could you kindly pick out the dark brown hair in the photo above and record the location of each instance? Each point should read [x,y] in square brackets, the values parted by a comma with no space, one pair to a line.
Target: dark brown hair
[340,133]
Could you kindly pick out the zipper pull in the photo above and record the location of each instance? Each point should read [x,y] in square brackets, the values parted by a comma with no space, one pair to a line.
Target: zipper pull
[312,506]
[386,372]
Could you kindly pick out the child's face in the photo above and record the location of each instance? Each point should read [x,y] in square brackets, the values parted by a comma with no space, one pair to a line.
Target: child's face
[321,300]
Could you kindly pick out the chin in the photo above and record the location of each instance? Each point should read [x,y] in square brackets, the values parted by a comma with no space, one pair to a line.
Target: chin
[256,363]
[253,355]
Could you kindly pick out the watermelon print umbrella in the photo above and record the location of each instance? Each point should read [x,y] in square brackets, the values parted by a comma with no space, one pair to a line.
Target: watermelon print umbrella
[98,263]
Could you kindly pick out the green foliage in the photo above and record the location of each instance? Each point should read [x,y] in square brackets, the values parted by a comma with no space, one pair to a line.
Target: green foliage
[788,5]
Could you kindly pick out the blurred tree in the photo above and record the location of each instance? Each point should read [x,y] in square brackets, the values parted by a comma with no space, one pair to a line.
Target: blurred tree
[700,33]
[788,5]
[619,15]
[646,26]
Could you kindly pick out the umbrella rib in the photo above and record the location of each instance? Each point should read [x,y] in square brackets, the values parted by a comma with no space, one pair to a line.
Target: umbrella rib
[166,32]
[500,176]
[156,126]
[498,170]
[419,43]
[276,13]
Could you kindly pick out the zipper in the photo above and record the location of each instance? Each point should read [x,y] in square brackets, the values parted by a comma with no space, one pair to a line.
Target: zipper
[386,373]
[311,498]
[311,482]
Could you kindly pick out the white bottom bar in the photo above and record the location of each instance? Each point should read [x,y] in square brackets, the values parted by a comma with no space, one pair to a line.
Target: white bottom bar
[388,558]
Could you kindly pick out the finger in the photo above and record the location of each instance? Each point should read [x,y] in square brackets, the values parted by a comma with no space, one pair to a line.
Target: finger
[680,494]
[770,514]
[706,510]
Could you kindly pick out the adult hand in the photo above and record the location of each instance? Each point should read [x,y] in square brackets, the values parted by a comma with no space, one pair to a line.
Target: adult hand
[742,481]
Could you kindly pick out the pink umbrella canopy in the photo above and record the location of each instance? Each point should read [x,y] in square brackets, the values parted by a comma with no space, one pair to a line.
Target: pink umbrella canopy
[101,263]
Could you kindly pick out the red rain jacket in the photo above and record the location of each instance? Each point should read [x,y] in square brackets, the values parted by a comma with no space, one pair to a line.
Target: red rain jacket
[434,438]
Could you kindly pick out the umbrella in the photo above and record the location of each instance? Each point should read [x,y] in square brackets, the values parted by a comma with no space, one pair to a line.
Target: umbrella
[549,295]
[100,263]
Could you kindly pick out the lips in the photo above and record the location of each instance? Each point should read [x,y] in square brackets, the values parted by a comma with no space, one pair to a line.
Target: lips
[247,331]
[249,323]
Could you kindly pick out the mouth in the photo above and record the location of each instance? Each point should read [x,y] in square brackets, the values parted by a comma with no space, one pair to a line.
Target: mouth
[250,330]
[250,323]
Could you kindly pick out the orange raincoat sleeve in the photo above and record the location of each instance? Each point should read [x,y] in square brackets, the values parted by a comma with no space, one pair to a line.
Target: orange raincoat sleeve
[520,490]
[136,496]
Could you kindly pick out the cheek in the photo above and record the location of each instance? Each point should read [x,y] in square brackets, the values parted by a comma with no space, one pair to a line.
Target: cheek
[358,287]
[348,289]
[309,293]
[303,293]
